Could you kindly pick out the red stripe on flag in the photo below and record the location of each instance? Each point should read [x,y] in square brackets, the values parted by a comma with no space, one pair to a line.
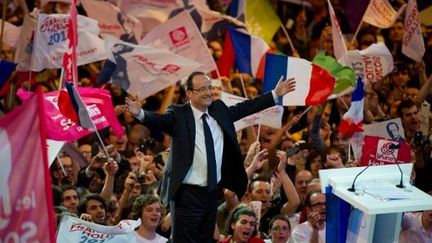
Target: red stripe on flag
[347,128]
[65,106]
[321,86]
[227,60]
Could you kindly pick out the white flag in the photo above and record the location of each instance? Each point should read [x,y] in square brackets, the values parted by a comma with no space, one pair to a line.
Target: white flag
[145,70]
[24,50]
[413,44]
[271,117]
[371,64]
[381,14]
[10,34]
[339,46]
[181,36]
[72,230]
[50,41]
[112,21]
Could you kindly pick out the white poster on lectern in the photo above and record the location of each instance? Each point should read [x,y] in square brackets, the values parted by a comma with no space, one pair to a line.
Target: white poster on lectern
[391,129]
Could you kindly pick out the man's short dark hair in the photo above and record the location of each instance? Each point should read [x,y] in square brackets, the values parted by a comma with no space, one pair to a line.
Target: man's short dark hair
[404,105]
[189,84]
[83,205]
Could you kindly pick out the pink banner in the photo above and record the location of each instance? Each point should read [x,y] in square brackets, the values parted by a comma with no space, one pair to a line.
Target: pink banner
[61,128]
[26,211]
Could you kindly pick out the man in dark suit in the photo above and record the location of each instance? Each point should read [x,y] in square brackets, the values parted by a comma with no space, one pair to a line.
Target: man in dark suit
[204,153]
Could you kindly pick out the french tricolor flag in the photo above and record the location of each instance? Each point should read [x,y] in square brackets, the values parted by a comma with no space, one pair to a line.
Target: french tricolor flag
[72,106]
[353,119]
[313,83]
[247,52]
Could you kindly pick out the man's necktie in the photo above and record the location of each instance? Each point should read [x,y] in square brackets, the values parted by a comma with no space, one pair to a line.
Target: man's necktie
[211,161]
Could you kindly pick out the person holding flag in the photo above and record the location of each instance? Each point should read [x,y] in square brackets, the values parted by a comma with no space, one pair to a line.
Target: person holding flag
[204,153]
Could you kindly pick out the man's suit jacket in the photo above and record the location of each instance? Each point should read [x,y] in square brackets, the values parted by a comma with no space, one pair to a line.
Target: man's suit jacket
[179,123]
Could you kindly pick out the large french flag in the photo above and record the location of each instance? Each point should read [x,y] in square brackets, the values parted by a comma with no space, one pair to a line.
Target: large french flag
[353,119]
[314,84]
[247,52]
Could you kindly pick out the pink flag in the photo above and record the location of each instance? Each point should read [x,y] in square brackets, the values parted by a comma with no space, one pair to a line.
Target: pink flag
[413,44]
[381,14]
[181,36]
[339,46]
[26,210]
[61,128]
[70,55]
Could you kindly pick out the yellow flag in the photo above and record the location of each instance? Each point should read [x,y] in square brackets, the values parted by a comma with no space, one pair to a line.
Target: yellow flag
[261,19]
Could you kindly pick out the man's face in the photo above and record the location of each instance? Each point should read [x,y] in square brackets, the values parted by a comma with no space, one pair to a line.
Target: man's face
[96,210]
[119,143]
[243,228]
[85,150]
[393,130]
[201,96]
[151,215]
[70,200]
[301,180]
[317,204]
[261,191]
[68,166]
[411,119]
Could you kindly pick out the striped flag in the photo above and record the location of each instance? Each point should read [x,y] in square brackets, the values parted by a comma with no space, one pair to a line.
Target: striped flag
[352,120]
[314,83]
[72,106]
[246,51]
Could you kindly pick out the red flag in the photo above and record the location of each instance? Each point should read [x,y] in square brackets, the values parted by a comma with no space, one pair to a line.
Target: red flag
[26,210]
[70,55]
[377,151]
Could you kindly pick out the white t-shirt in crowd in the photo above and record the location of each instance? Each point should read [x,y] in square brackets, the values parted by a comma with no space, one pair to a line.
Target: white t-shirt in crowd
[157,239]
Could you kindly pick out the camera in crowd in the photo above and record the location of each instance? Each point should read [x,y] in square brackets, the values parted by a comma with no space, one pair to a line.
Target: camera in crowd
[420,140]
[140,178]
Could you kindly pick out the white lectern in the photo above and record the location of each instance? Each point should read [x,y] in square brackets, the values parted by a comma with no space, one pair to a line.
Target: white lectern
[378,204]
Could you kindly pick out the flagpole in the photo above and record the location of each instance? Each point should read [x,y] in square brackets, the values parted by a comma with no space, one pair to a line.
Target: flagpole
[61,79]
[61,165]
[289,39]
[2,25]
[349,150]
[243,86]
[259,127]
[356,33]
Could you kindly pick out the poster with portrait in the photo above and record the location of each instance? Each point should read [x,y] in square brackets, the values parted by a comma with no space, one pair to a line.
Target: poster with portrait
[390,129]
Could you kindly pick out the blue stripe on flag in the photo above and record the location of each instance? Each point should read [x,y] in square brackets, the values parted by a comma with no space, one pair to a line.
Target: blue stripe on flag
[233,8]
[242,48]
[275,67]
[6,70]
[72,97]
[358,92]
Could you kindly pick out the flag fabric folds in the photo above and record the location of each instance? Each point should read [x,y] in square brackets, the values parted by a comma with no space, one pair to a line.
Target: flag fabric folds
[352,120]
[145,70]
[237,9]
[372,63]
[345,79]
[50,41]
[376,151]
[181,36]
[112,21]
[271,117]
[381,14]
[25,192]
[61,128]
[262,19]
[412,43]
[339,47]
[6,70]
[70,55]
[10,33]
[313,83]
[24,50]
[246,51]
[72,106]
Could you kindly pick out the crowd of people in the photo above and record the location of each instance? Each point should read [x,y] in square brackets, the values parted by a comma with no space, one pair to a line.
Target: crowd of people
[265,185]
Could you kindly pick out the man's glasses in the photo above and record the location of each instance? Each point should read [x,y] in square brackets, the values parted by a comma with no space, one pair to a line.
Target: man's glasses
[203,90]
